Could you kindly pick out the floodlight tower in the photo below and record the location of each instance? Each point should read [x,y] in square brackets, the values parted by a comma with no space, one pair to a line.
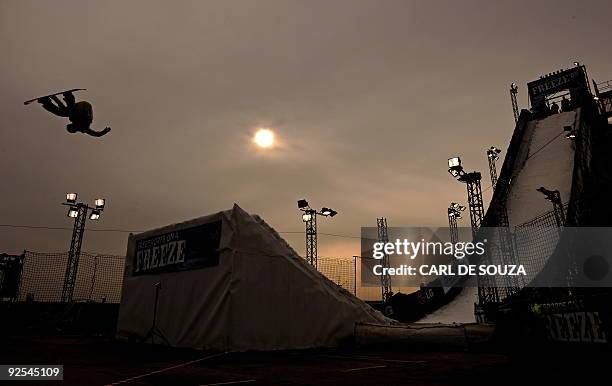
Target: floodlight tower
[513,94]
[487,293]
[474,191]
[554,196]
[385,279]
[78,211]
[454,214]
[309,216]
[492,157]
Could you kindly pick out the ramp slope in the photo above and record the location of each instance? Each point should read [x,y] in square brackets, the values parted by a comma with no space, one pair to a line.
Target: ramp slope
[542,157]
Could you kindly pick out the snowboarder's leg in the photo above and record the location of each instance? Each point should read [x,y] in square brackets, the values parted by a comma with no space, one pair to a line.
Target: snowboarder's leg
[57,108]
[69,99]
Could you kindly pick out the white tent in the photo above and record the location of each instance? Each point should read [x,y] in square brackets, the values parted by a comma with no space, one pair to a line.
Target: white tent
[254,293]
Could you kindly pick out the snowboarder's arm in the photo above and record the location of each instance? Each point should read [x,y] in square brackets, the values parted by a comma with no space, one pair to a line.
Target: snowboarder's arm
[56,108]
[94,133]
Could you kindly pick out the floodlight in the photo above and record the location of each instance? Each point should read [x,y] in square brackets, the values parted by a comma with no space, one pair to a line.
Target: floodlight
[332,213]
[95,215]
[493,153]
[325,211]
[302,204]
[71,198]
[461,208]
[99,203]
[306,217]
[458,216]
[73,212]
[454,166]
[454,162]
[548,194]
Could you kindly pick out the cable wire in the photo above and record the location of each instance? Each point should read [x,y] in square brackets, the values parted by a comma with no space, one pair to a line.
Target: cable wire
[140,231]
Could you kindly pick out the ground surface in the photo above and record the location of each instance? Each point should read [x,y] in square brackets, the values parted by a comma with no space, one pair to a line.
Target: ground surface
[101,362]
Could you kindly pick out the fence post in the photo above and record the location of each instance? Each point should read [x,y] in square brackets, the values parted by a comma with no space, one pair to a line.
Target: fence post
[355,274]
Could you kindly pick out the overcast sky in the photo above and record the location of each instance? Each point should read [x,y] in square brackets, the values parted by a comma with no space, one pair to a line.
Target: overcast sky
[367,98]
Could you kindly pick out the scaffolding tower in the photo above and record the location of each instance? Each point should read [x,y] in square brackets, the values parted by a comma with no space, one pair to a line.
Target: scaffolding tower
[475,202]
[492,157]
[74,254]
[311,238]
[513,94]
[385,279]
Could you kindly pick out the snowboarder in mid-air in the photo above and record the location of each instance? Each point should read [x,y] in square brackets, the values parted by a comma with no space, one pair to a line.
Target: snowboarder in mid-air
[80,114]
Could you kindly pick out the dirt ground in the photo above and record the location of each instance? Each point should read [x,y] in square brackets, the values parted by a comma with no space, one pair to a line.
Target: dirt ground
[97,361]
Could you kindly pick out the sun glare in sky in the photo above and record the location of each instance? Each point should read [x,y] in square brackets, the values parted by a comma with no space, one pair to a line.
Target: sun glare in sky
[264,138]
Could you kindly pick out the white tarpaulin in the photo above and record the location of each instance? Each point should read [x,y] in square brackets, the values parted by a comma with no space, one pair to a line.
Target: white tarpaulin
[258,294]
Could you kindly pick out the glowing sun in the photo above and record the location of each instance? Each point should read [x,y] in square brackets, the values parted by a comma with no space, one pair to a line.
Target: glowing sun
[264,138]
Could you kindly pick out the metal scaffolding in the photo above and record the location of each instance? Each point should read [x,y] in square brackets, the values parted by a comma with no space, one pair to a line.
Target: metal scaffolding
[454,213]
[311,238]
[513,94]
[492,157]
[75,252]
[385,279]
[452,226]
[309,217]
[475,202]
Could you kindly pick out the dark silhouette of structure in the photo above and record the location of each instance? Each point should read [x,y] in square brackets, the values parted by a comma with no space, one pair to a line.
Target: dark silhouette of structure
[492,157]
[78,211]
[385,279]
[513,94]
[309,217]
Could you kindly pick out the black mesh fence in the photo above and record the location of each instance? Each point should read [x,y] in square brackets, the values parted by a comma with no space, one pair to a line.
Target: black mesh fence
[340,270]
[99,277]
[530,244]
[535,241]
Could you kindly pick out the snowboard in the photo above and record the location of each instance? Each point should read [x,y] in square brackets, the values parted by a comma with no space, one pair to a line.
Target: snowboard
[57,93]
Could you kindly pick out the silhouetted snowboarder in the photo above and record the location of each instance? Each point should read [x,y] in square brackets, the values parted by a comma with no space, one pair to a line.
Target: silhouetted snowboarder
[80,114]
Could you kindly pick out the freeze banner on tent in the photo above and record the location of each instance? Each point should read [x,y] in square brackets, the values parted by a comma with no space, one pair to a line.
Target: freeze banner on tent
[178,250]
[526,256]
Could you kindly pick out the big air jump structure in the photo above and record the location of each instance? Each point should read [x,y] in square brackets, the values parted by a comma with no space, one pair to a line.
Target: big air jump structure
[229,282]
